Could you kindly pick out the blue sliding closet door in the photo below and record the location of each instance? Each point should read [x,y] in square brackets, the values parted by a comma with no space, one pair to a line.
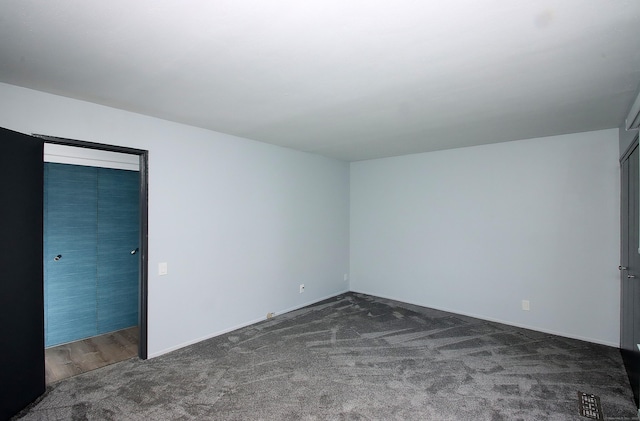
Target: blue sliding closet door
[70,209]
[92,222]
[118,236]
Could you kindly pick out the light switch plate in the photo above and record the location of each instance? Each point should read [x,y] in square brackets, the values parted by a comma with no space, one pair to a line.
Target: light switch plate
[162,268]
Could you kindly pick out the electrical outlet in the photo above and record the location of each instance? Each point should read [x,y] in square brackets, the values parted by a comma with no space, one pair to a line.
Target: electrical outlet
[525,305]
[270,315]
[301,288]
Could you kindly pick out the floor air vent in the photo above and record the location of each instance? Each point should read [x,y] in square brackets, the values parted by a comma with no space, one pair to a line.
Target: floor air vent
[590,406]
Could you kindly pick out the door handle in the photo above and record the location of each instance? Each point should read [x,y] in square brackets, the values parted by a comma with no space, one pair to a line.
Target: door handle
[58,257]
[631,276]
[135,251]
[622,268]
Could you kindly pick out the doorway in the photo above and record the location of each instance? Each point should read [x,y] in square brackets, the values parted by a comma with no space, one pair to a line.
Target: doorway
[122,338]
[91,235]
[21,263]
[630,266]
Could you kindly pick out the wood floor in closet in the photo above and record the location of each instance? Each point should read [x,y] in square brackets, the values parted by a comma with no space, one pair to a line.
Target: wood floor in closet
[78,357]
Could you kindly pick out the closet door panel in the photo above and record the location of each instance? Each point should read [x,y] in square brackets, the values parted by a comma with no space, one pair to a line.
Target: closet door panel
[70,232]
[118,225]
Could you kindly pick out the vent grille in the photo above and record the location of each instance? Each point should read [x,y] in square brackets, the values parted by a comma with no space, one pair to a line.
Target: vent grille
[590,406]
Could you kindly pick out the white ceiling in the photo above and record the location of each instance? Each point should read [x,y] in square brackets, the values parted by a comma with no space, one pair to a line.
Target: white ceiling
[353,79]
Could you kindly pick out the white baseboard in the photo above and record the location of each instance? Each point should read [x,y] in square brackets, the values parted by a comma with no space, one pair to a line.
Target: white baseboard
[506,322]
[239,326]
[299,306]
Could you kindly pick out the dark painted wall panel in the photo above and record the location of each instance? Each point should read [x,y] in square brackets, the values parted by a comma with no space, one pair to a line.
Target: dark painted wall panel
[21,298]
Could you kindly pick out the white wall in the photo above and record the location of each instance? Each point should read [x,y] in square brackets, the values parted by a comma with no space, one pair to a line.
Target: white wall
[472,230]
[477,230]
[240,223]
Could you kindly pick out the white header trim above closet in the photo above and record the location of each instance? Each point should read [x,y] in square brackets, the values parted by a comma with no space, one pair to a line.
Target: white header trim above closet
[63,154]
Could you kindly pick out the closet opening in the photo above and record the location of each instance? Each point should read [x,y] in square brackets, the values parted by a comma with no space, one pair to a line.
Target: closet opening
[94,254]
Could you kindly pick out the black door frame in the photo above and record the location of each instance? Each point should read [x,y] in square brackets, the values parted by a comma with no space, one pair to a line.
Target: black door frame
[630,357]
[629,149]
[143,281]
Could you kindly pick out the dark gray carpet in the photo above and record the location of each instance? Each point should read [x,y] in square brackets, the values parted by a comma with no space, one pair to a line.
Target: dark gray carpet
[354,357]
